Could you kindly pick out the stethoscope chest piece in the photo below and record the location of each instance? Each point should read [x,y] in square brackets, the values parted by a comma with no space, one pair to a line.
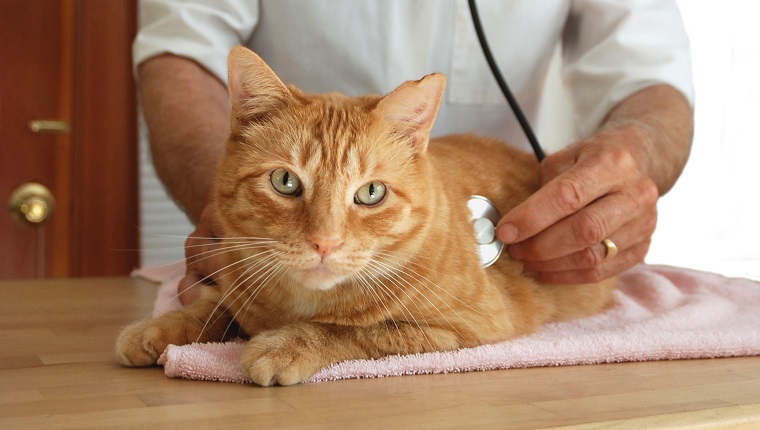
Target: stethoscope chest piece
[485,216]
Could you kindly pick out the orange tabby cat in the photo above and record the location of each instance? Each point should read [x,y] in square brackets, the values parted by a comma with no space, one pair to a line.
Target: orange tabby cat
[348,235]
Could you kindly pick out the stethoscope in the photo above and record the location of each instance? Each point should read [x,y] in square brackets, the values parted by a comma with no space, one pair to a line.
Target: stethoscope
[485,216]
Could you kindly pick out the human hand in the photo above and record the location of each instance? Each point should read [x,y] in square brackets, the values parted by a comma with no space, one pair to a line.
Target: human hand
[201,257]
[593,190]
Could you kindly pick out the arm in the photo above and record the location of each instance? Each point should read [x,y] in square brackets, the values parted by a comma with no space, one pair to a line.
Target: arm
[187,111]
[605,186]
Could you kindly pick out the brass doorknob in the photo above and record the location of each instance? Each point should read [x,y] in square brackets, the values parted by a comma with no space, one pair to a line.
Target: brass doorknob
[31,204]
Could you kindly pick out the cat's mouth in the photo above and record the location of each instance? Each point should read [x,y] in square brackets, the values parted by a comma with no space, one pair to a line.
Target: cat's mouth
[320,271]
[319,277]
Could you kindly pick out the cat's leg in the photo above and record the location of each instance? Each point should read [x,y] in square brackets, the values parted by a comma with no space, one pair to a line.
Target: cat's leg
[141,343]
[293,353]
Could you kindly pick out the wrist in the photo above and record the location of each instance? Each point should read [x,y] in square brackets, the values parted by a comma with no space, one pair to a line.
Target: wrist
[656,126]
[637,139]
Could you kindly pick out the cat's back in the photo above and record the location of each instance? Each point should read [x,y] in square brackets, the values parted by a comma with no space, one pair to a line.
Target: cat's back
[467,164]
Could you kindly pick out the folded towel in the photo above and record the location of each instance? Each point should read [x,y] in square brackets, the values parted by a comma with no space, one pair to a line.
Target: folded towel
[659,313]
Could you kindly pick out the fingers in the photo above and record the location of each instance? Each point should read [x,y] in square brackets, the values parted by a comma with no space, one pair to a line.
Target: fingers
[202,258]
[590,264]
[623,261]
[610,215]
[562,196]
[202,266]
[592,191]
[189,288]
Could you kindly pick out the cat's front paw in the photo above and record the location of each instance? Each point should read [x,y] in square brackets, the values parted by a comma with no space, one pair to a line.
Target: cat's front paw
[140,344]
[285,356]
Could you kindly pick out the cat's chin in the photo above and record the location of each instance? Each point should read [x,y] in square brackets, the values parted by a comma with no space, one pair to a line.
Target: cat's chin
[318,278]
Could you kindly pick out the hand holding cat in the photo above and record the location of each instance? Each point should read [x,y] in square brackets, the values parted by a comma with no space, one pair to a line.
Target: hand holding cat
[593,190]
[200,256]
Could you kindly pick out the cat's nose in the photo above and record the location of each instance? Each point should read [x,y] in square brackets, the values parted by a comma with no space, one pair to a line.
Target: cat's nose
[324,245]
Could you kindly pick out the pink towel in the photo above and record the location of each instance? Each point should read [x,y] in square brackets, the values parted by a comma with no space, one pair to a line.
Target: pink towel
[660,313]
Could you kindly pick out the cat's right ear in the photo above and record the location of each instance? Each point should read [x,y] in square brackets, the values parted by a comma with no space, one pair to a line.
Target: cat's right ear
[255,90]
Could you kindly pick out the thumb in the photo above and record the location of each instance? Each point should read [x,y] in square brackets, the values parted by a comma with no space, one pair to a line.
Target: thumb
[189,287]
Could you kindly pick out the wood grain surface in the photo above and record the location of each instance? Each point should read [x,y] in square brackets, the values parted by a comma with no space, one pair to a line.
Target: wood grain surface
[57,371]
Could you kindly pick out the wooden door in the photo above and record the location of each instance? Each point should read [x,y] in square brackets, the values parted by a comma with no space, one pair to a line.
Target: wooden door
[67,62]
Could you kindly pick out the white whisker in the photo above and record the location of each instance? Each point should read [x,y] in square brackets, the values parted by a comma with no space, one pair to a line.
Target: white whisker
[404,308]
[270,269]
[275,270]
[420,282]
[389,257]
[366,286]
[234,285]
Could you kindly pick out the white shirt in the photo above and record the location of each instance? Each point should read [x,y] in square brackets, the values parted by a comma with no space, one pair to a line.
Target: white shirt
[611,49]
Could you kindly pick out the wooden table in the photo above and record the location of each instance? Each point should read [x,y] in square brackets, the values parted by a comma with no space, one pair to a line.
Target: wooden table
[57,371]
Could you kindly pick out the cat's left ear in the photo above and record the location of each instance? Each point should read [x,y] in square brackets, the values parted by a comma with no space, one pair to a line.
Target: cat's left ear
[255,90]
[412,108]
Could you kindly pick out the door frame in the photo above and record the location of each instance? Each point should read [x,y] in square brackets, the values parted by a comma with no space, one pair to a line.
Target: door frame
[104,187]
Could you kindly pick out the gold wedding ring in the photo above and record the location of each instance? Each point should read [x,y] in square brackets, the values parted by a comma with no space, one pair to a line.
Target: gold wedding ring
[612,249]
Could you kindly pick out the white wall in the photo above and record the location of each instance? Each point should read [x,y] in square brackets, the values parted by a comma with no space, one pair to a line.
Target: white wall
[709,221]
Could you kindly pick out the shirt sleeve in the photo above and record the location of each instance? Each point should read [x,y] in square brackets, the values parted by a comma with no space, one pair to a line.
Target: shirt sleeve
[201,30]
[613,48]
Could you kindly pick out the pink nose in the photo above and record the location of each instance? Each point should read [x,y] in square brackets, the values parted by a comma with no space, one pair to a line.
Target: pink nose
[324,245]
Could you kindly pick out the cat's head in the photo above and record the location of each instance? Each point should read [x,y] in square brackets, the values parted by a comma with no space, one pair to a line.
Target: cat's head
[324,186]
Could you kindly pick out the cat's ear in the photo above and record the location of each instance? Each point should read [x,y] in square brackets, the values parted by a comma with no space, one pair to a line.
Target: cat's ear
[255,90]
[412,108]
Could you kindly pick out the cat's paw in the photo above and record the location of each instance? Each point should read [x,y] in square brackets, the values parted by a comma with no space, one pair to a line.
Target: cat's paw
[285,356]
[140,344]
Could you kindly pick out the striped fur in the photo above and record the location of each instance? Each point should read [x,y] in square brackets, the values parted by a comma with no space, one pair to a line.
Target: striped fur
[315,277]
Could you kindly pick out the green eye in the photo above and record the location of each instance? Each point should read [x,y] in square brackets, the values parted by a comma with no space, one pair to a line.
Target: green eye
[370,194]
[285,182]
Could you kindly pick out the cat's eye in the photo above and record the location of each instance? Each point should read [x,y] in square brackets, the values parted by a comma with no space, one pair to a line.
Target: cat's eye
[285,182]
[370,193]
